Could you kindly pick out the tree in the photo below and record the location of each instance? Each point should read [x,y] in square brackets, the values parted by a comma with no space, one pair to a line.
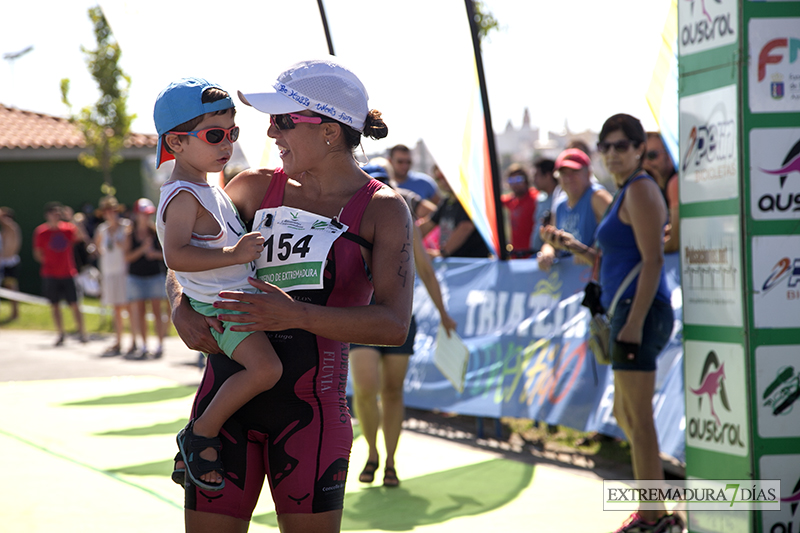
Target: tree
[484,19]
[106,125]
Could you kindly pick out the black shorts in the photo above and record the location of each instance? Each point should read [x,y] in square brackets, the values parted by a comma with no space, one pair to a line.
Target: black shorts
[57,289]
[407,348]
[10,276]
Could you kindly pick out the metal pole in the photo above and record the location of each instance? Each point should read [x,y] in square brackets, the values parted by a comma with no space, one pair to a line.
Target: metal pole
[325,27]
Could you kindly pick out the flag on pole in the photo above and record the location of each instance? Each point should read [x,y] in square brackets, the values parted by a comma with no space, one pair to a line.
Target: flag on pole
[662,94]
[474,186]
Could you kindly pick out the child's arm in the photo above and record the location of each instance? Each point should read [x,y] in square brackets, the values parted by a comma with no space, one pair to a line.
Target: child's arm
[180,217]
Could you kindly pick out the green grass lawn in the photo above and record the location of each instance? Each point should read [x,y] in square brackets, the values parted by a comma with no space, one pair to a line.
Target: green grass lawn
[39,317]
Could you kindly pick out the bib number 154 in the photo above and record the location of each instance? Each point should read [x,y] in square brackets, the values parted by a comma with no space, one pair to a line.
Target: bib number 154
[286,247]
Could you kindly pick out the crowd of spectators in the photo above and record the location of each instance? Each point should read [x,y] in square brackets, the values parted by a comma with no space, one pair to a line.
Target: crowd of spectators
[89,253]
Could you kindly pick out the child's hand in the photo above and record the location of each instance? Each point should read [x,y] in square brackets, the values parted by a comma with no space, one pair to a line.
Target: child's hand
[248,248]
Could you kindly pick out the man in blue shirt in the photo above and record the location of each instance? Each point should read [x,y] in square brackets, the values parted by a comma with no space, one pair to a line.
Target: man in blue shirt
[422,184]
[576,212]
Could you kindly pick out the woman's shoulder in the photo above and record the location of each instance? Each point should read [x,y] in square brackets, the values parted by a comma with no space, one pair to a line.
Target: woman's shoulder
[252,177]
[387,205]
[250,186]
[644,188]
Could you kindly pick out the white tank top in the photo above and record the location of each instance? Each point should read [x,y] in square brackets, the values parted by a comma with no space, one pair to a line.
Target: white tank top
[204,286]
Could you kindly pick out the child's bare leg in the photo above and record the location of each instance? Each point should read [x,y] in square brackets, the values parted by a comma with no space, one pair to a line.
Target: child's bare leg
[262,370]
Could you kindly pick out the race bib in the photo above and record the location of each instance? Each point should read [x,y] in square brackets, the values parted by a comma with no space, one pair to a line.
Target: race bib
[296,247]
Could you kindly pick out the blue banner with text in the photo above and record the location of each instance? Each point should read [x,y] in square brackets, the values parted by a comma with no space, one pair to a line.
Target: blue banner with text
[526,332]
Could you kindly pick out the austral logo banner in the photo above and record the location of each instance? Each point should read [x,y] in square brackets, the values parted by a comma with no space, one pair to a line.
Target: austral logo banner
[775,173]
[706,24]
[716,397]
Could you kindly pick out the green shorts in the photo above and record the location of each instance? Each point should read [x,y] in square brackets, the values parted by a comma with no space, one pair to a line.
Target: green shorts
[228,340]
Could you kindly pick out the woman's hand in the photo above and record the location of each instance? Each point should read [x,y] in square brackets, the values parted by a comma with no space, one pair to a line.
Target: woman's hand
[270,310]
[545,258]
[194,328]
[631,333]
[448,323]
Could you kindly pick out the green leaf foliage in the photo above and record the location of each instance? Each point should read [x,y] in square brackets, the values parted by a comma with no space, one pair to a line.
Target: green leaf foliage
[106,124]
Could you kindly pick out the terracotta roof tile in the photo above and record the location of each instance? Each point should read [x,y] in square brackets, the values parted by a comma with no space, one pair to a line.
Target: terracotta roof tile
[25,129]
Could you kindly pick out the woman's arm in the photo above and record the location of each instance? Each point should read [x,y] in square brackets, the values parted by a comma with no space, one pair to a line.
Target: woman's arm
[644,209]
[387,224]
[12,236]
[425,271]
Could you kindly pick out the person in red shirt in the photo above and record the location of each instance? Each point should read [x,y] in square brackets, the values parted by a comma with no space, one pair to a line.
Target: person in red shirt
[521,205]
[52,247]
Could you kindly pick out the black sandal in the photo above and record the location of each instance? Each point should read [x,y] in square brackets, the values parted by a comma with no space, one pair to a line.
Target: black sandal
[191,445]
[179,474]
[390,477]
[368,474]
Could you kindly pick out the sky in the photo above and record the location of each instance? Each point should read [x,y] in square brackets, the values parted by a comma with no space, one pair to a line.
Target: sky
[573,62]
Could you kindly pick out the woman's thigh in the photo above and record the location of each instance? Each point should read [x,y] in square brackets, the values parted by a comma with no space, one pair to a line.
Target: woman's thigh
[656,332]
[365,368]
[329,522]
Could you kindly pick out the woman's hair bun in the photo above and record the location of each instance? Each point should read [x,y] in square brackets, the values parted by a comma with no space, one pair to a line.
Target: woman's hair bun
[374,126]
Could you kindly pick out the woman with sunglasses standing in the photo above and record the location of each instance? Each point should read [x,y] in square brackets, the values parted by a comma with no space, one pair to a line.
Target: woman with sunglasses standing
[333,237]
[631,234]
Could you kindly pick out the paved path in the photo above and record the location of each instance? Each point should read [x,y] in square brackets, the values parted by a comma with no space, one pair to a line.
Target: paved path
[87,445]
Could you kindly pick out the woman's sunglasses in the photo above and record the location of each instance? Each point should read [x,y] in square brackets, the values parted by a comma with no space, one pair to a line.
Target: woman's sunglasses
[287,121]
[213,135]
[620,146]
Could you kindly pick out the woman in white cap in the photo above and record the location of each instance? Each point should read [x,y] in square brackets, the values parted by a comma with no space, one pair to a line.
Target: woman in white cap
[333,237]
[146,277]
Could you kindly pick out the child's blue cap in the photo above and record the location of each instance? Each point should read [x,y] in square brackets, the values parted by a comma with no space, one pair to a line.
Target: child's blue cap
[180,102]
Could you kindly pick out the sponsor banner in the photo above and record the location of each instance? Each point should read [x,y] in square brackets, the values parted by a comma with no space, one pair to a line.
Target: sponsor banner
[777,391]
[707,24]
[776,281]
[526,332]
[712,277]
[708,167]
[775,173]
[787,469]
[774,69]
[716,397]
[695,494]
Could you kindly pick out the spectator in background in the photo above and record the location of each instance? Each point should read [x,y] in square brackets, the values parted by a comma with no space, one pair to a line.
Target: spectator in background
[580,145]
[576,213]
[658,163]
[52,247]
[631,234]
[381,169]
[147,276]
[521,205]
[458,235]
[110,239]
[10,243]
[380,371]
[422,184]
[84,249]
[548,187]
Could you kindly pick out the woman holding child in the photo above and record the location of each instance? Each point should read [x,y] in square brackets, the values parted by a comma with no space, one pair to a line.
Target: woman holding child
[298,434]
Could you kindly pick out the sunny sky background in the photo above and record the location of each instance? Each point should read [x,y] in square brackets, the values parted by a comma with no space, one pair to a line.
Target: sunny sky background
[578,61]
